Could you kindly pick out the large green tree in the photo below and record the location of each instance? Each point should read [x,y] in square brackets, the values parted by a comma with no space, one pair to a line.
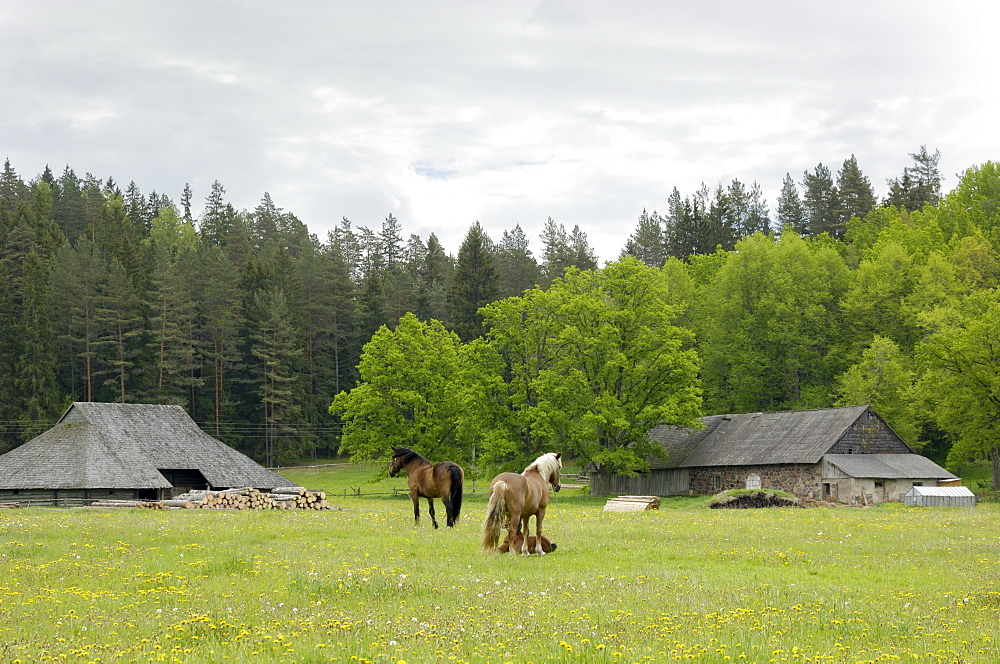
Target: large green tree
[959,384]
[596,361]
[768,322]
[884,379]
[409,394]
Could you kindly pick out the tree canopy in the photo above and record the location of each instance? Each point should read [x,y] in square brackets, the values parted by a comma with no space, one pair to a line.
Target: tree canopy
[253,324]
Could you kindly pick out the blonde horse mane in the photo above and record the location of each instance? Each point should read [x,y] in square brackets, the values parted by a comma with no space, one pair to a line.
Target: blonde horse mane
[546,464]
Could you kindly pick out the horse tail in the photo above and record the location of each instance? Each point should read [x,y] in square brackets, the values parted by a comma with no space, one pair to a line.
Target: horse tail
[455,491]
[496,516]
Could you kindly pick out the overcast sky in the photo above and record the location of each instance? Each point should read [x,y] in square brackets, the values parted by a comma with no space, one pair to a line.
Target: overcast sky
[444,113]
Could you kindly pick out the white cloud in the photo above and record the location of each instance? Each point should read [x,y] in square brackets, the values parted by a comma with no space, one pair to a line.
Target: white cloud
[449,112]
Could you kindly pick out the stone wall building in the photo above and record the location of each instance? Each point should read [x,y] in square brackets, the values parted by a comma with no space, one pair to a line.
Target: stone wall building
[837,454]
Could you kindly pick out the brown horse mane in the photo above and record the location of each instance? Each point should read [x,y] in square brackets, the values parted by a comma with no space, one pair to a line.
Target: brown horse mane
[407,454]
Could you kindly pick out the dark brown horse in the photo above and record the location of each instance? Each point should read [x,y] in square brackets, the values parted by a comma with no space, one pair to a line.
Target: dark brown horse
[515,498]
[441,480]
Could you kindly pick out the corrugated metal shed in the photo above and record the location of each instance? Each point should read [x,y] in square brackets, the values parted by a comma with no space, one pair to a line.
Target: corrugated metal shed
[940,496]
[888,466]
[123,446]
[801,436]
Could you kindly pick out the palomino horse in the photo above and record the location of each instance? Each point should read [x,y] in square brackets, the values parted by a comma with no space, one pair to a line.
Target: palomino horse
[442,480]
[515,498]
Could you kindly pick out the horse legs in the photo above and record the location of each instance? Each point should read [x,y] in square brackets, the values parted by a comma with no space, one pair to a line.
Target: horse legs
[525,530]
[513,528]
[430,508]
[449,511]
[539,515]
[416,508]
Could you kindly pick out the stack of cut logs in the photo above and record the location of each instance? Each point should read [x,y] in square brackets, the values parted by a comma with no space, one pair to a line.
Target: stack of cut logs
[632,504]
[282,498]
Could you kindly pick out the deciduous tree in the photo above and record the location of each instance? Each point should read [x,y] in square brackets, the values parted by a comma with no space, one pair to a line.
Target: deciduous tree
[409,394]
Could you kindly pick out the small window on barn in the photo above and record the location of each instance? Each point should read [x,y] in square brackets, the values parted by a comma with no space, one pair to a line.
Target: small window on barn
[879,485]
[918,484]
[753,481]
[718,482]
[16,491]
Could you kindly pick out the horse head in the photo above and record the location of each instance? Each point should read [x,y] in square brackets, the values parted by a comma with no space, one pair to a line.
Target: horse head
[398,458]
[554,469]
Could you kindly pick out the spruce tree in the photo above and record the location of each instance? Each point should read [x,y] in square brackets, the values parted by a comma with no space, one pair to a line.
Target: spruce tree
[582,255]
[218,218]
[340,340]
[647,242]
[68,206]
[219,307]
[518,270]
[474,285]
[277,350]
[186,203]
[821,203]
[791,213]
[919,185]
[172,345]
[435,275]
[28,356]
[119,319]
[856,196]
[556,252]
[391,241]
[77,276]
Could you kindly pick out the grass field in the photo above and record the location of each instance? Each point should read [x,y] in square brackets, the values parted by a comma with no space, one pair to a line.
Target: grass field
[682,583]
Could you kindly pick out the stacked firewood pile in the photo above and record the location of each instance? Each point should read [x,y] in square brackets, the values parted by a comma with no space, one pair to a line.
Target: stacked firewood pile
[632,504]
[9,506]
[282,498]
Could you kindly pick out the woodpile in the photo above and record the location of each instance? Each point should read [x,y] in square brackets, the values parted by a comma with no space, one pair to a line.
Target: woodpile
[282,498]
[9,506]
[632,504]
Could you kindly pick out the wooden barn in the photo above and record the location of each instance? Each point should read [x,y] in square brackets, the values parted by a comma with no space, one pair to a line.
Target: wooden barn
[124,451]
[836,454]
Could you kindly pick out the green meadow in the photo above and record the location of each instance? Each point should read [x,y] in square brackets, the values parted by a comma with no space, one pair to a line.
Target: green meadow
[363,584]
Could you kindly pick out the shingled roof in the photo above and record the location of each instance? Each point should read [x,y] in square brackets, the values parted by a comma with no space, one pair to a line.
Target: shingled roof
[889,466]
[800,436]
[123,446]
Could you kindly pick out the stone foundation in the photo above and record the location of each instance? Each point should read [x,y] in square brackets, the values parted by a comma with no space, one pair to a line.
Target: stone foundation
[801,480]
